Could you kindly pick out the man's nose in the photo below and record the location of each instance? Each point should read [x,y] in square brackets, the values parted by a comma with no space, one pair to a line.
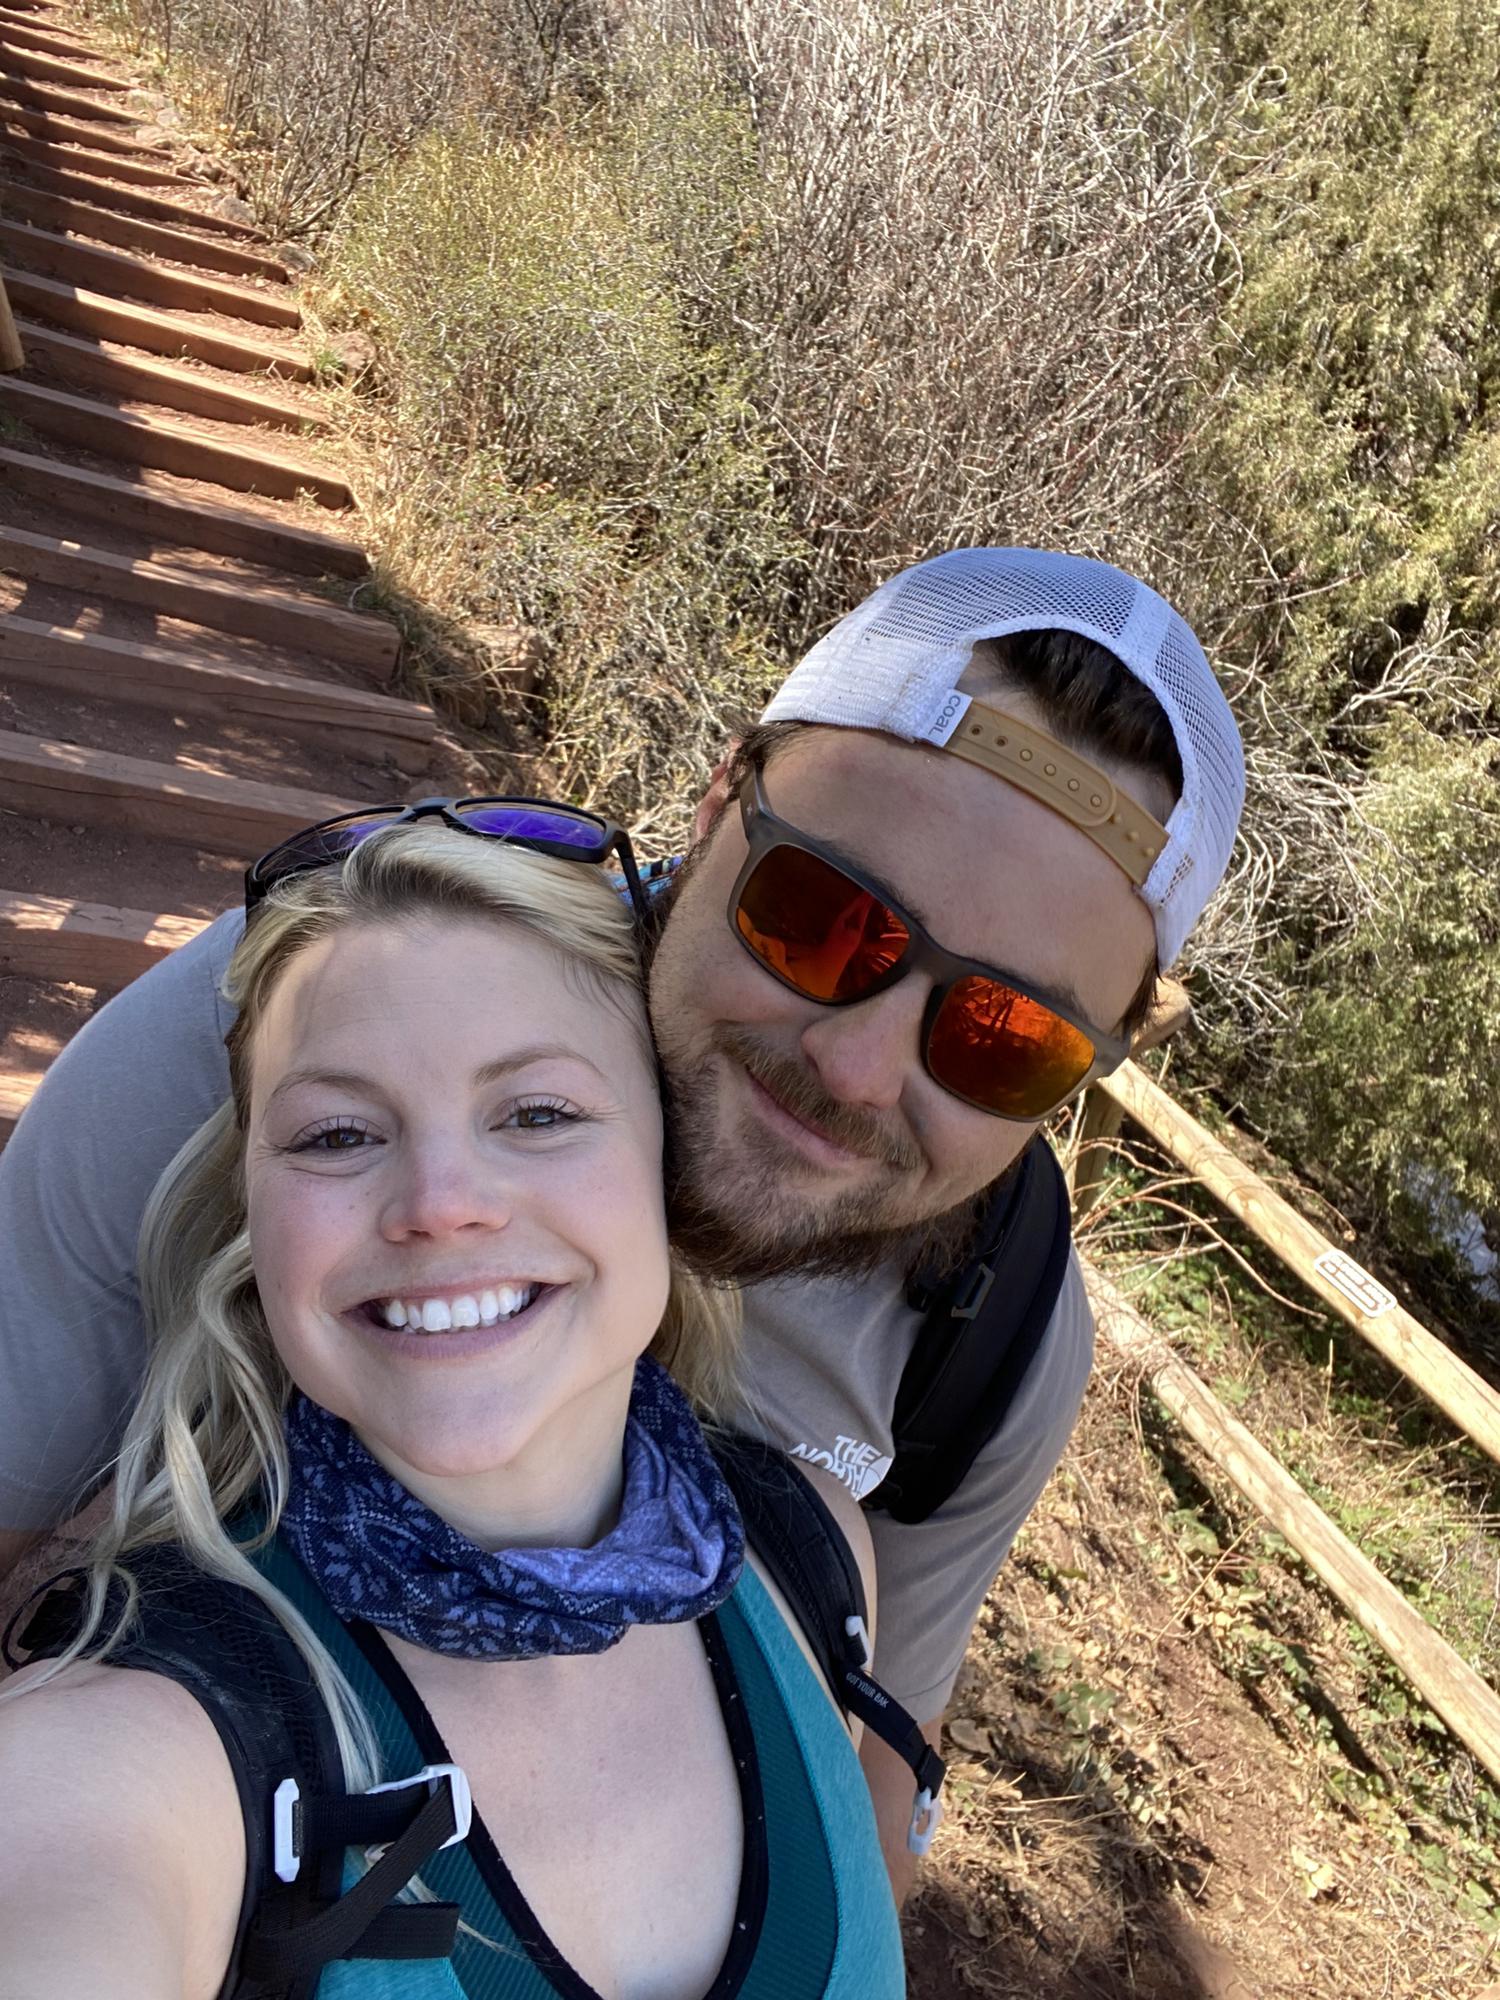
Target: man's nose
[865,1054]
[443,1185]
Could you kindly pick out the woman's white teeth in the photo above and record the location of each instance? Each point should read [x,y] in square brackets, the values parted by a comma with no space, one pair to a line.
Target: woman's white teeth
[441,1315]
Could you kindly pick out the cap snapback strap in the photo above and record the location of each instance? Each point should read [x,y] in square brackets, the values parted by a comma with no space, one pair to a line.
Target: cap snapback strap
[1060,778]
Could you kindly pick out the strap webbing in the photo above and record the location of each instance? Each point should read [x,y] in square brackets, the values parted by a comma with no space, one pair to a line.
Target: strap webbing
[360,1924]
[895,1726]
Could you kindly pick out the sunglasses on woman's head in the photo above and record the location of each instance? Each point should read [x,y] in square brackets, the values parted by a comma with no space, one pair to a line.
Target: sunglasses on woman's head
[831,936]
[565,832]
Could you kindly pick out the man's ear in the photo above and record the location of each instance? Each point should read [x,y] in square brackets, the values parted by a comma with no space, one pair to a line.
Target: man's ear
[711,806]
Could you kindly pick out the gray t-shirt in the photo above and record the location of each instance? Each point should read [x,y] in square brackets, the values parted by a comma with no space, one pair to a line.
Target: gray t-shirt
[823,1357]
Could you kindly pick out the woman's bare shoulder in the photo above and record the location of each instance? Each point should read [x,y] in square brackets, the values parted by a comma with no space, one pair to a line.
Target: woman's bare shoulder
[123,1866]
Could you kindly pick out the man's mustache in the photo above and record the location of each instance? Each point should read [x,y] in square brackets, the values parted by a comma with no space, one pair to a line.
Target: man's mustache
[795,1087]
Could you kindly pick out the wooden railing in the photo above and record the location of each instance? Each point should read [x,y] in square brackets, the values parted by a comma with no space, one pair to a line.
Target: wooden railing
[1441,1675]
[1359,1299]
[1444,1679]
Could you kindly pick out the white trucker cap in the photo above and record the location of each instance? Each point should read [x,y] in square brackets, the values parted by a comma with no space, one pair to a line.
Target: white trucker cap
[893,664]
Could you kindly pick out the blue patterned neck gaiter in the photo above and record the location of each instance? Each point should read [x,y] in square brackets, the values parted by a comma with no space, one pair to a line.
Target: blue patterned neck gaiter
[382,1556]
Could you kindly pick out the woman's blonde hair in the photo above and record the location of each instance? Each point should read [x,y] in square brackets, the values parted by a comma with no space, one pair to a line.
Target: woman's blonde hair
[206,1435]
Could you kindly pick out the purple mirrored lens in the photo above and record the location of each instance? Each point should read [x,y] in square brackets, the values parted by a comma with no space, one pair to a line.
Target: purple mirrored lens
[532,823]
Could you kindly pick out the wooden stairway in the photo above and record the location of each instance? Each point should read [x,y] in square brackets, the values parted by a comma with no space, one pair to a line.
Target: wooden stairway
[185,676]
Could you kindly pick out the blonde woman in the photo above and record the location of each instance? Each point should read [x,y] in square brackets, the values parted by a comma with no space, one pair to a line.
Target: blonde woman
[398,1429]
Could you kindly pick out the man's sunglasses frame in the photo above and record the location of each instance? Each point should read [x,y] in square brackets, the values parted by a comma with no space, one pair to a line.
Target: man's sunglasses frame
[519,822]
[764,832]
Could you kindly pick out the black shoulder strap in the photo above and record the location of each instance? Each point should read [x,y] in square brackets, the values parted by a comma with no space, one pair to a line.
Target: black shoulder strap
[803,1549]
[220,1642]
[805,1553]
[980,1335]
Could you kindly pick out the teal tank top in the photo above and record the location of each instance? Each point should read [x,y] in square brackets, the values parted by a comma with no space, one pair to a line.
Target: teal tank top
[815,1920]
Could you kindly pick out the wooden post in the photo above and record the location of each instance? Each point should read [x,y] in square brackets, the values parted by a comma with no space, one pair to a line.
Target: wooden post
[12,355]
[1099,1122]
[1100,1119]
[1445,1680]
[1358,1299]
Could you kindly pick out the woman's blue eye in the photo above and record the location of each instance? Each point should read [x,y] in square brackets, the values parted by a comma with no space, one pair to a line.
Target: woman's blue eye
[541,1117]
[344,1137]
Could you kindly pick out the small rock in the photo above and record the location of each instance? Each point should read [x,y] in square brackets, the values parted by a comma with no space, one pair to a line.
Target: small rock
[969,1736]
[355,352]
[78,831]
[295,256]
[486,674]
[234,210]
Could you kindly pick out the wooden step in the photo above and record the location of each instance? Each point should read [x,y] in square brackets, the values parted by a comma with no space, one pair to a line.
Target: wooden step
[63,781]
[85,944]
[16,60]
[143,507]
[112,271]
[150,239]
[111,166]
[25,37]
[26,15]
[65,103]
[105,669]
[73,132]
[159,333]
[272,617]
[85,364]
[121,200]
[169,447]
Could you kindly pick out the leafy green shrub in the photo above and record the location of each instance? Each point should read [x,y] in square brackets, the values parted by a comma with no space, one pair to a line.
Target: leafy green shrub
[1353,448]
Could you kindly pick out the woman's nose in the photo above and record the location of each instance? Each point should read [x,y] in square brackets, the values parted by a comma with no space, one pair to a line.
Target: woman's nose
[443,1186]
[866,1054]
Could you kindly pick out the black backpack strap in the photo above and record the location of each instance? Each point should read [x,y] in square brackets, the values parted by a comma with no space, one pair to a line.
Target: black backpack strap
[980,1335]
[804,1551]
[230,1651]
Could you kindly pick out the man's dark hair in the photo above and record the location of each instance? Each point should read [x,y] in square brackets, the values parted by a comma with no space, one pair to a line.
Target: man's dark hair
[1087,698]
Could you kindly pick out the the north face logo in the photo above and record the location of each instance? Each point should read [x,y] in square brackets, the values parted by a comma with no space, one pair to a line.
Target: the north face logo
[859,1465]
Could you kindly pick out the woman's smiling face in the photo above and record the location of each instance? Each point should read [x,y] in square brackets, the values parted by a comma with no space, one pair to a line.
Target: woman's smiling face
[453,1178]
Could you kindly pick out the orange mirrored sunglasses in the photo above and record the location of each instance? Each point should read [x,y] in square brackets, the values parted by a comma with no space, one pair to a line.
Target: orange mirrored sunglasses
[820,928]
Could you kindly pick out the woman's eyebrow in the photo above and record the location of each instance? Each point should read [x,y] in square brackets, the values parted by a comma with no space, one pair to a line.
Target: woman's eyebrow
[491,1072]
[504,1066]
[332,1079]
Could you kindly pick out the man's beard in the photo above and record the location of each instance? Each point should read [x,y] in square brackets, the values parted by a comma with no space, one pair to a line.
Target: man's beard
[731,1213]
